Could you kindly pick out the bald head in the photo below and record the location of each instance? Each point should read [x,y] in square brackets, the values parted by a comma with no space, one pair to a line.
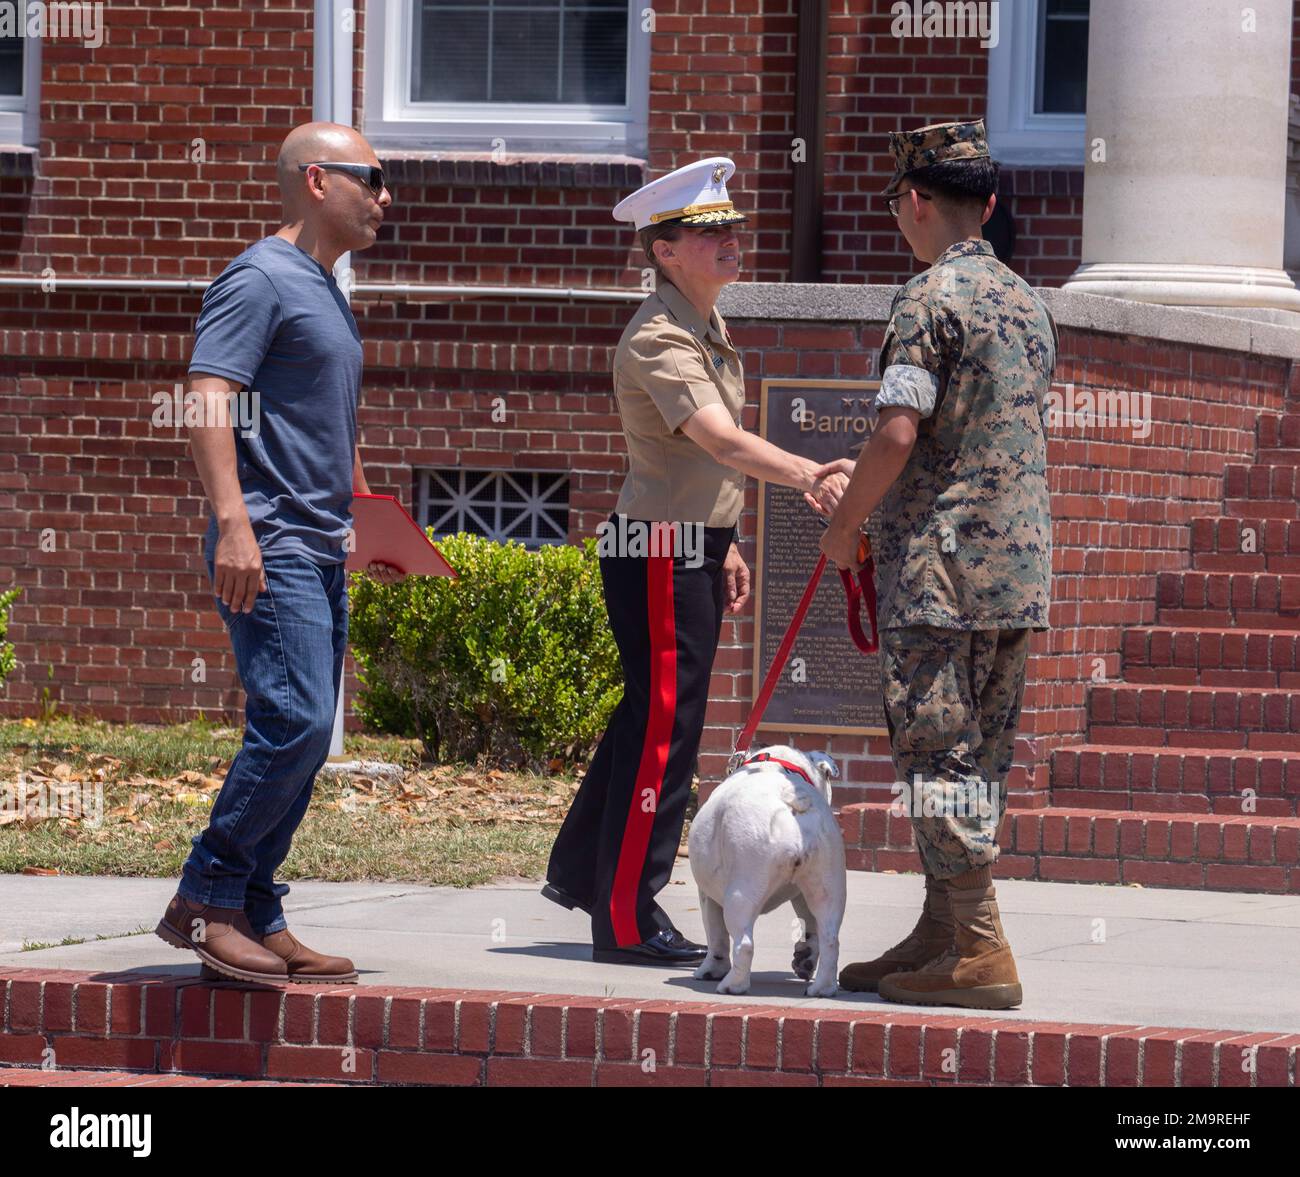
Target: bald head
[312,143]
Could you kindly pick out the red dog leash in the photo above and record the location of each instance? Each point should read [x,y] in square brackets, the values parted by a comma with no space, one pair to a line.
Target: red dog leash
[857,592]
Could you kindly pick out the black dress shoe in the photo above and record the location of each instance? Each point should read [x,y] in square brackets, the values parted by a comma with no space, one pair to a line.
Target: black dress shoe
[677,940]
[563,898]
[665,947]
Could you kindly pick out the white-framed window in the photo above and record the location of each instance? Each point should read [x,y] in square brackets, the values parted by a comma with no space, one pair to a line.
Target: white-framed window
[20,83]
[531,507]
[508,75]
[1038,84]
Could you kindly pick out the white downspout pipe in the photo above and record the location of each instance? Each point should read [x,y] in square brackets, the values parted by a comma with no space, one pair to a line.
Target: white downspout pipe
[332,102]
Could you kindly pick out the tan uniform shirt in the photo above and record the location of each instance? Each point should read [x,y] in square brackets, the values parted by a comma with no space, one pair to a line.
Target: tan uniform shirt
[670,363]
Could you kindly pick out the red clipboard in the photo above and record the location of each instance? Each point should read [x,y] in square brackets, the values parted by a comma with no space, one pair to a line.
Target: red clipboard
[383,531]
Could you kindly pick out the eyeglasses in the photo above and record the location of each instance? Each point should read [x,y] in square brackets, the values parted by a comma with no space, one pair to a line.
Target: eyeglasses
[374,177]
[893,200]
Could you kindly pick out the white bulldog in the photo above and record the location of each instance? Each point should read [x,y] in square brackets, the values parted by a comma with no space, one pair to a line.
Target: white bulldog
[767,835]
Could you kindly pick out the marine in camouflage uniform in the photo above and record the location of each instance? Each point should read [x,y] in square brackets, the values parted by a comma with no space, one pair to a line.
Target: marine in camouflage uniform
[965,547]
[963,572]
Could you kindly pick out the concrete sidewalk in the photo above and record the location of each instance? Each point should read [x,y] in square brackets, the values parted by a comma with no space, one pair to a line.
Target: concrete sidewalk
[1086,953]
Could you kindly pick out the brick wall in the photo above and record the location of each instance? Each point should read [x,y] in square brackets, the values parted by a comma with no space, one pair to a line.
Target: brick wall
[121,607]
[1121,508]
[391,1035]
[119,191]
[118,194]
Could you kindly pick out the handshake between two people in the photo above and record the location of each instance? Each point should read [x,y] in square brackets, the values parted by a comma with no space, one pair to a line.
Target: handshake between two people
[840,541]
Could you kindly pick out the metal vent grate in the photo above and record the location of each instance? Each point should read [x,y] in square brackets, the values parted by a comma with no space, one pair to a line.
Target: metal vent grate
[531,507]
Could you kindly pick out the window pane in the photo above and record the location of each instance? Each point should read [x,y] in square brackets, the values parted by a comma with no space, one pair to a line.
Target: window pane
[595,56]
[11,65]
[520,51]
[525,56]
[1063,58]
[451,53]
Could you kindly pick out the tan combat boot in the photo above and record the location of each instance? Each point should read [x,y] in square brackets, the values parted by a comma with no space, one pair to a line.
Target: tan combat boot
[931,937]
[978,972]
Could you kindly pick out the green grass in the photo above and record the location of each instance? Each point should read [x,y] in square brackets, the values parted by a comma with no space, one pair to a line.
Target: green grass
[455,825]
[162,751]
[37,945]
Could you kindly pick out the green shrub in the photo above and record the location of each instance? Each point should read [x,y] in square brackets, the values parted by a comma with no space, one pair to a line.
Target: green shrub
[8,660]
[512,659]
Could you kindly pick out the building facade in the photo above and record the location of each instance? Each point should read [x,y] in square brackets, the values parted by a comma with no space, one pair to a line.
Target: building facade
[138,159]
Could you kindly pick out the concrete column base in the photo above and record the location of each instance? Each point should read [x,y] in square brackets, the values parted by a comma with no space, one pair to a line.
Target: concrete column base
[1173,284]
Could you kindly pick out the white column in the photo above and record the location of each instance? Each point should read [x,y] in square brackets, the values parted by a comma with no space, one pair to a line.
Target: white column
[1291,246]
[1185,181]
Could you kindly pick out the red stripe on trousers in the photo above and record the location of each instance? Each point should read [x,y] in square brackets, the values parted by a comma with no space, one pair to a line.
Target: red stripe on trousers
[654,750]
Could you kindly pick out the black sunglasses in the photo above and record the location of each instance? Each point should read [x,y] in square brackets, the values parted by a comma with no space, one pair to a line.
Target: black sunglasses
[374,177]
[893,200]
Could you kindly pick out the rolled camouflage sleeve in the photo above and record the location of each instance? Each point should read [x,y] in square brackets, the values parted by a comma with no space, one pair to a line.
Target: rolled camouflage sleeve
[913,369]
[1056,342]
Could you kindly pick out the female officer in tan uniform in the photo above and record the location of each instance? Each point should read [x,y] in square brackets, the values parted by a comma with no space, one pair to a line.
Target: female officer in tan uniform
[680,391]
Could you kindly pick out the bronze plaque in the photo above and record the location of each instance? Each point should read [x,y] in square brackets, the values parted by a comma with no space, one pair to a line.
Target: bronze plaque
[827,685]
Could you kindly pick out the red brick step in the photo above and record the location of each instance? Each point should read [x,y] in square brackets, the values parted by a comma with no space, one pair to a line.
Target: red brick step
[1219,544]
[1274,430]
[1257,600]
[1279,456]
[1261,480]
[37,1077]
[1212,656]
[1269,508]
[1209,851]
[466,1037]
[1162,714]
[1176,780]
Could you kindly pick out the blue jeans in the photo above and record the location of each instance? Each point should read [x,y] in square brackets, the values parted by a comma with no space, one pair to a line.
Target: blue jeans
[289,653]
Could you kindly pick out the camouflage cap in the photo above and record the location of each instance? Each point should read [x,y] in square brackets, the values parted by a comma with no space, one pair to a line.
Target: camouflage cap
[935,144]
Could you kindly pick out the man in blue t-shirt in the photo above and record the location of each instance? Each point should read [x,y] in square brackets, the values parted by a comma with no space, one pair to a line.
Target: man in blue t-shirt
[277,366]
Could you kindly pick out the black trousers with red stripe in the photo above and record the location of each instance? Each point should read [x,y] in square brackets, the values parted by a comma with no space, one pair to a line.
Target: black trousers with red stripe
[616,849]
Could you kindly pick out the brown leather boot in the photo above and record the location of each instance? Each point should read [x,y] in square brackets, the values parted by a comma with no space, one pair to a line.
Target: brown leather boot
[223,939]
[306,966]
[978,972]
[931,937]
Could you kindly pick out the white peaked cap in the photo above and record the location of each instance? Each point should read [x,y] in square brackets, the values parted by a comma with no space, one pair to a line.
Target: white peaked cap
[695,194]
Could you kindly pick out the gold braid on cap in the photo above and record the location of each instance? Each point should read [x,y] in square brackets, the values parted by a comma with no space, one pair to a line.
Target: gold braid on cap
[692,210]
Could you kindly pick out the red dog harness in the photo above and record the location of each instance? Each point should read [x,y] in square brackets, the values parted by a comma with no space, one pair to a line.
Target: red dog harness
[761,756]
